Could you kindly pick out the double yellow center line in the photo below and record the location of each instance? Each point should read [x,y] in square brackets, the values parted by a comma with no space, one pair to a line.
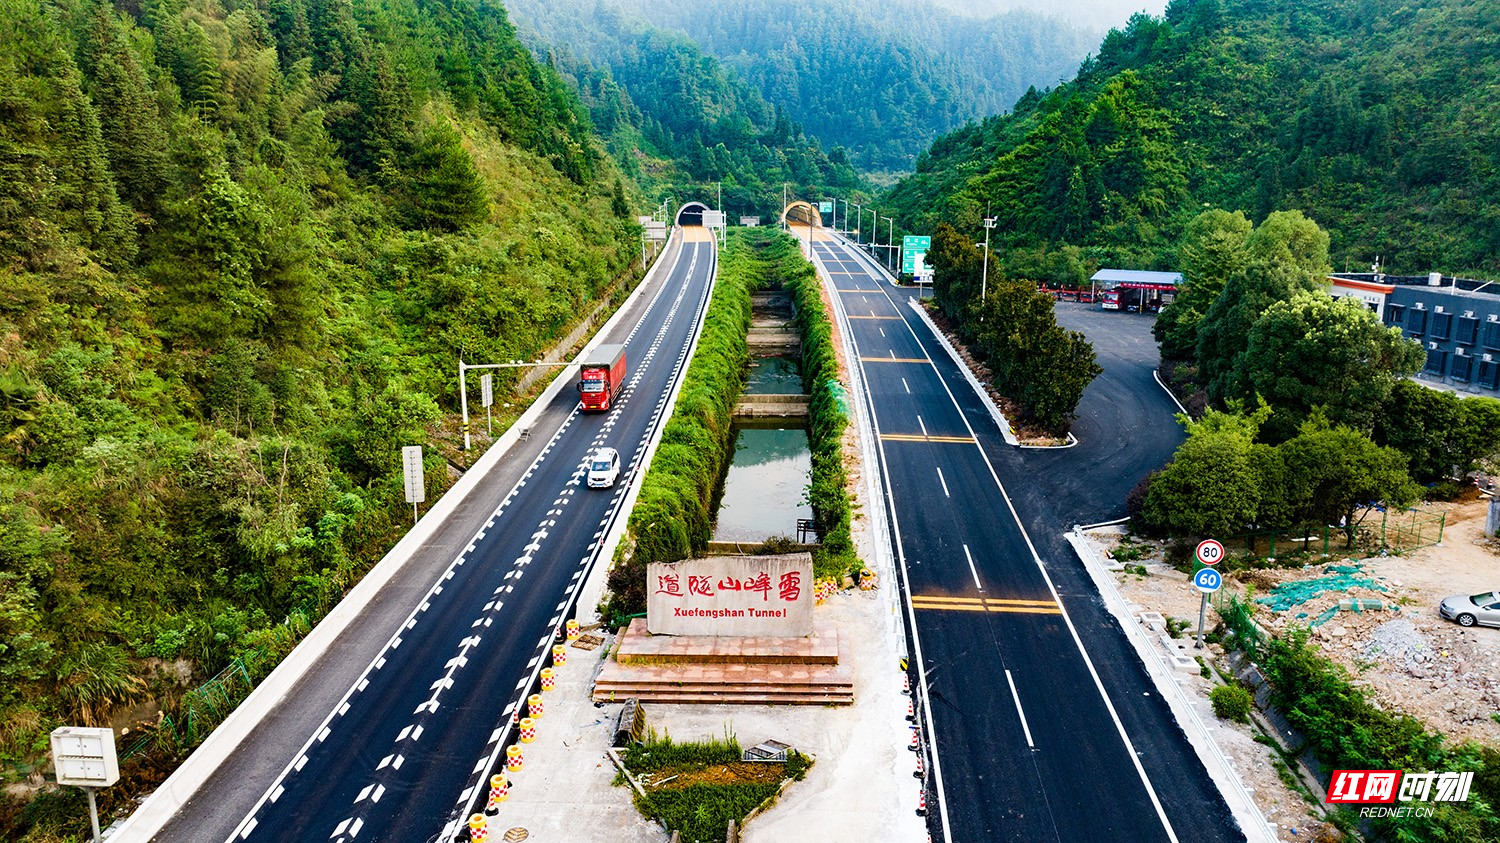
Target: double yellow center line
[984,604]
[917,437]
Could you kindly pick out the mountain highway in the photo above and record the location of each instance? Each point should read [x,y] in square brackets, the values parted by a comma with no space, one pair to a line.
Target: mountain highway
[406,713]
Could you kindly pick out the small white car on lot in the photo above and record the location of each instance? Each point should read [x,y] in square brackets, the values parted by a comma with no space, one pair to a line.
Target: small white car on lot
[604,468]
[1471,609]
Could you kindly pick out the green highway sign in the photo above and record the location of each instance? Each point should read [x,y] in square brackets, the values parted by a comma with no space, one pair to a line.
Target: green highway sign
[825,207]
[913,250]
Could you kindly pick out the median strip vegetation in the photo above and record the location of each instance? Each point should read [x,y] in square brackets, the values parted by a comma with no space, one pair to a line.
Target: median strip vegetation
[827,410]
[673,516]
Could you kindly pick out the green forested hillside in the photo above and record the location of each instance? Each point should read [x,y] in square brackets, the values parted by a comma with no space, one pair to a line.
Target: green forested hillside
[680,122]
[881,81]
[242,244]
[1376,118]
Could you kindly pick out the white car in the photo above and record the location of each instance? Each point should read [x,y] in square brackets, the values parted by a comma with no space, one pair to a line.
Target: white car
[1468,610]
[604,468]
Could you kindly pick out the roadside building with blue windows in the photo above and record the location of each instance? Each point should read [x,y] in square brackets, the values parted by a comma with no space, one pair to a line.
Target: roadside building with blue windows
[1457,320]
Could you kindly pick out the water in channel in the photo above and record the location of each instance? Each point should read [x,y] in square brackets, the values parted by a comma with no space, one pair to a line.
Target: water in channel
[773,376]
[766,487]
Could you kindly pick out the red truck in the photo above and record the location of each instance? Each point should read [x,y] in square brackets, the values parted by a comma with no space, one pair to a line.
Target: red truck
[600,376]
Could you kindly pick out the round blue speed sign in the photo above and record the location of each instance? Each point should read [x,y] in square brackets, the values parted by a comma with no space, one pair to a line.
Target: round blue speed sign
[1208,580]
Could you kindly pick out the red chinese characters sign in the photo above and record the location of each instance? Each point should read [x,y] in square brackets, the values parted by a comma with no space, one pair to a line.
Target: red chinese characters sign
[731,596]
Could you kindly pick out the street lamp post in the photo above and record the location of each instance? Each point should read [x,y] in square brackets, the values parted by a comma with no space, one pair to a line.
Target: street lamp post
[890,240]
[874,230]
[859,217]
[984,278]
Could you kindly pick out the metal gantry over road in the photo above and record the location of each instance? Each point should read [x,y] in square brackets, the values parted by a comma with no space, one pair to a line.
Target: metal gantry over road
[1029,744]
[392,738]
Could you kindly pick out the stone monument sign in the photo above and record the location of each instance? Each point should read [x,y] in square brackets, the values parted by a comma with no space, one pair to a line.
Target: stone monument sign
[769,596]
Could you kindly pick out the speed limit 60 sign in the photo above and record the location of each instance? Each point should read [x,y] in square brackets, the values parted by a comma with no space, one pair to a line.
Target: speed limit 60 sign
[1209,552]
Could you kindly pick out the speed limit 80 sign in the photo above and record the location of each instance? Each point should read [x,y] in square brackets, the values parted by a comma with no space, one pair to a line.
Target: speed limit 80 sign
[1209,552]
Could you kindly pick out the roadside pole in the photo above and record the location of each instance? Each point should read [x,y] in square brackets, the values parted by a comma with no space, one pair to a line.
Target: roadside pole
[1207,579]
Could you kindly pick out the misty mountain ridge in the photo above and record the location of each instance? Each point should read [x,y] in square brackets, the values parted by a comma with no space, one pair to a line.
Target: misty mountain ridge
[1096,14]
[883,82]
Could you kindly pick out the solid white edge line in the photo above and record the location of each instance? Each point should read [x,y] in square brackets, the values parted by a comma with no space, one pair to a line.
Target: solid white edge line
[972,569]
[1252,821]
[895,537]
[1170,394]
[1077,640]
[1104,524]
[1020,711]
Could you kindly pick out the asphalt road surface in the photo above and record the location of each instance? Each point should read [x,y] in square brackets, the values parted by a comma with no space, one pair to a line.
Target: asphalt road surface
[388,737]
[1046,726]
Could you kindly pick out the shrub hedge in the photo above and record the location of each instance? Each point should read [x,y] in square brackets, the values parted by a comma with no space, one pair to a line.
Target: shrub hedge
[1346,731]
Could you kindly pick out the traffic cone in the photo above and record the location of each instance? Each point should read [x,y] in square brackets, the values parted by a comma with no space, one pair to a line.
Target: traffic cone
[911,711]
[922,803]
[920,771]
[913,745]
[906,684]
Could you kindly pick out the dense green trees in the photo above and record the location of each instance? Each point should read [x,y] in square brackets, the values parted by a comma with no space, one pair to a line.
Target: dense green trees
[1442,433]
[1314,350]
[878,81]
[1223,482]
[1373,119]
[240,250]
[881,80]
[1255,317]
[1213,250]
[1033,360]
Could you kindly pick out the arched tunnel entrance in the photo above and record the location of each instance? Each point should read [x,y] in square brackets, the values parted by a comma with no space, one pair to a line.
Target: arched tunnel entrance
[802,213]
[691,213]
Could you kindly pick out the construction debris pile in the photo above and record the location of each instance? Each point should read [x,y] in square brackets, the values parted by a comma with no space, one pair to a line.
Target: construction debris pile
[1355,617]
[1341,580]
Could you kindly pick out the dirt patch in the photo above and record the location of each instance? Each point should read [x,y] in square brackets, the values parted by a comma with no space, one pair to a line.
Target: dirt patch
[1404,655]
[715,774]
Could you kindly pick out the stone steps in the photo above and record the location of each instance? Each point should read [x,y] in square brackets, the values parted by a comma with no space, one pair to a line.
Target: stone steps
[821,684]
[742,670]
[637,647]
